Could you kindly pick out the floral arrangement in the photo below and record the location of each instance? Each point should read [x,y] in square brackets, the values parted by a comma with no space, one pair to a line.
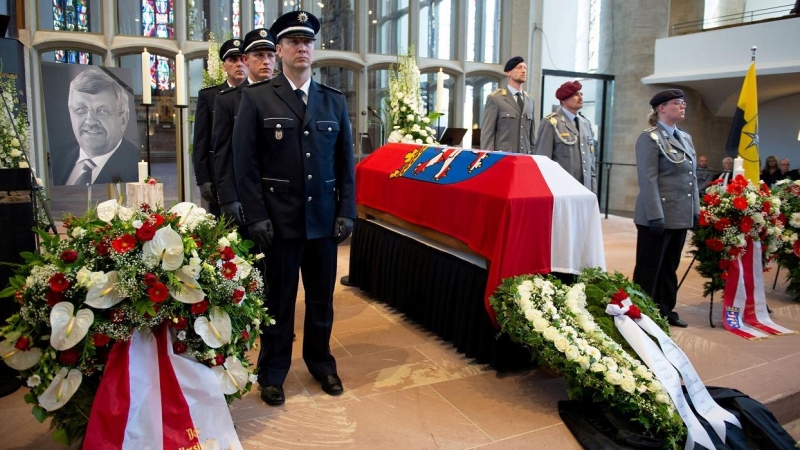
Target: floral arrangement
[404,105]
[555,322]
[120,269]
[730,217]
[11,148]
[214,73]
[788,192]
[151,180]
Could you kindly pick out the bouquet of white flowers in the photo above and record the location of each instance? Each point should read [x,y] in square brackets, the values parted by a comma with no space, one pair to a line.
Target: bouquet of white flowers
[404,105]
[11,148]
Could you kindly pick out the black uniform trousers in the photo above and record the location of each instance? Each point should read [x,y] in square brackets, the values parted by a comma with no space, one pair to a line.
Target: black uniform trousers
[315,259]
[657,261]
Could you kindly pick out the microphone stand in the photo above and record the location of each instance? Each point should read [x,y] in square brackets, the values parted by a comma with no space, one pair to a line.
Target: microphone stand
[380,120]
[37,198]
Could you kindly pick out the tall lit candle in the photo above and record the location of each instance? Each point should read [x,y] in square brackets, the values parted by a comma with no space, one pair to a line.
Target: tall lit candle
[738,166]
[146,99]
[142,171]
[180,84]
[440,107]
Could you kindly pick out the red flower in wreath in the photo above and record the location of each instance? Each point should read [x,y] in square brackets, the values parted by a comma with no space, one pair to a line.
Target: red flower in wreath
[157,219]
[796,248]
[715,244]
[150,280]
[179,347]
[721,224]
[705,218]
[158,293]
[746,224]
[69,357]
[238,295]
[245,335]
[100,339]
[200,307]
[766,207]
[102,248]
[180,323]
[740,203]
[53,298]
[620,295]
[59,282]
[724,264]
[227,254]
[228,270]
[124,243]
[69,256]
[711,199]
[735,251]
[23,343]
[146,232]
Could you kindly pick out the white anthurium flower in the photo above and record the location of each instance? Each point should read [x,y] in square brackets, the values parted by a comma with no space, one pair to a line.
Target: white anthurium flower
[189,213]
[167,247]
[214,329]
[243,268]
[68,329]
[190,291]
[19,359]
[103,294]
[232,375]
[61,390]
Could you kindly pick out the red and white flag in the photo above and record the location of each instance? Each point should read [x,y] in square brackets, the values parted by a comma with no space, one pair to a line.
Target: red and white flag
[151,398]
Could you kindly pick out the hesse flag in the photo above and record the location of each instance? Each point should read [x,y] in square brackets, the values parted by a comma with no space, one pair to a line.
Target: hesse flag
[743,139]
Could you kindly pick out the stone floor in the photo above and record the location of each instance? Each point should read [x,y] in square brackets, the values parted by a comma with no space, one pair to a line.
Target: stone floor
[407,389]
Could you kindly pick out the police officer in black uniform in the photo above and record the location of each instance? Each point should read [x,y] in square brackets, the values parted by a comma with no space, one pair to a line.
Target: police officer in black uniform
[259,51]
[293,161]
[230,54]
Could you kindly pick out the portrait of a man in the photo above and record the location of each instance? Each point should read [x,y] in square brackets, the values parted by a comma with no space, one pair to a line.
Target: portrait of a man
[99,113]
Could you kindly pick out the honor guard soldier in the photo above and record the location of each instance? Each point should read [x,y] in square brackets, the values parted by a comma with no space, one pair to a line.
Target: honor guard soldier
[259,56]
[507,123]
[668,203]
[566,137]
[230,54]
[293,160]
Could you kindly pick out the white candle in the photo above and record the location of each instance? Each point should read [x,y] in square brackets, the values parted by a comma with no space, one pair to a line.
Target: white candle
[738,166]
[157,119]
[180,85]
[142,171]
[440,107]
[146,99]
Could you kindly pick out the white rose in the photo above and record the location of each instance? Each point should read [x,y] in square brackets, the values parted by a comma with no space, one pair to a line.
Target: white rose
[593,352]
[418,141]
[540,324]
[415,127]
[410,117]
[15,143]
[23,165]
[584,362]
[597,367]
[137,224]
[78,232]
[529,314]
[628,385]
[561,343]
[233,237]
[751,198]
[83,276]
[662,398]
[612,365]
[572,353]
[551,333]
[613,378]
[655,386]
[426,120]
[15,153]
[223,242]
[429,140]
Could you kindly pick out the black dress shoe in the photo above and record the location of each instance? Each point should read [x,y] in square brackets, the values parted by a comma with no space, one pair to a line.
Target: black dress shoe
[345,281]
[331,384]
[273,395]
[678,323]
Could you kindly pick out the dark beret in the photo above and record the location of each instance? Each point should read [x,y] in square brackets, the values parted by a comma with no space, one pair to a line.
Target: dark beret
[512,63]
[258,39]
[568,89]
[295,24]
[665,96]
[231,47]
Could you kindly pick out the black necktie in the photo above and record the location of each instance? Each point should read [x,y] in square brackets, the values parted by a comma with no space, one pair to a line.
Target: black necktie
[577,127]
[677,136]
[86,173]
[520,102]
[300,94]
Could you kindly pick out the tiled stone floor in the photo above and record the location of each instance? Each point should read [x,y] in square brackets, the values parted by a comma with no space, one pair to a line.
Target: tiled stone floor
[407,389]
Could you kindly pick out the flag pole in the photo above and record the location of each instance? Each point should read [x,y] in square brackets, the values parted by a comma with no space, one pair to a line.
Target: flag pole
[753,54]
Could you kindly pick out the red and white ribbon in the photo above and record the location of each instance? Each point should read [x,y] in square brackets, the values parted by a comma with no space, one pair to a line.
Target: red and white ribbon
[151,398]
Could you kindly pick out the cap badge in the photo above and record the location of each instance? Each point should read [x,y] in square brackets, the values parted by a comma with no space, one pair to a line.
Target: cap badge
[262,33]
[236,43]
[302,17]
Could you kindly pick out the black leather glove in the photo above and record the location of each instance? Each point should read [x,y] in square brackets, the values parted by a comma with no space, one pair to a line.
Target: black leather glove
[342,228]
[696,220]
[262,233]
[207,192]
[234,211]
[656,226]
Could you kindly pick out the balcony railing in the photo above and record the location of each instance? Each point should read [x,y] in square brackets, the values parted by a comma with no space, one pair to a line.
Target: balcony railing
[732,20]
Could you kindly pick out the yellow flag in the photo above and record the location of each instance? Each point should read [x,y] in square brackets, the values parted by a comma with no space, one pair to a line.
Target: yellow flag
[743,139]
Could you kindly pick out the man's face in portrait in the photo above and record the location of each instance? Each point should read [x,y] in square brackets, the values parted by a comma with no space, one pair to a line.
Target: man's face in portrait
[97,121]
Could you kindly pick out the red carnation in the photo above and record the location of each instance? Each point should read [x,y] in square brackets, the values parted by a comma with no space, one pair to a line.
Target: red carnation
[100,339]
[227,254]
[53,298]
[704,218]
[740,203]
[157,219]
[228,270]
[69,256]
[238,295]
[124,243]
[722,223]
[158,292]
[711,199]
[59,282]
[102,248]
[179,347]
[620,295]
[23,343]
[200,307]
[69,357]
[735,251]
[715,244]
[219,359]
[150,280]
[766,207]
[146,232]
[145,207]
[117,316]
[782,219]
[245,335]
[746,224]
[796,248]
[180,323]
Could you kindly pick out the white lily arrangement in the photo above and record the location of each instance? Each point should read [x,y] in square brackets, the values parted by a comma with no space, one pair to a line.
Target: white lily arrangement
[12,147]
[407,122]
[120,269]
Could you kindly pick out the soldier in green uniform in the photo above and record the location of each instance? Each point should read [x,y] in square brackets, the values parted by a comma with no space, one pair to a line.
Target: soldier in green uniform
[507,123]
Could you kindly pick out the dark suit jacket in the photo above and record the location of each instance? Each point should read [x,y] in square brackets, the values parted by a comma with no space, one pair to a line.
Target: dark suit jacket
[202,156]
[120,167]
[291,167]
[225,108]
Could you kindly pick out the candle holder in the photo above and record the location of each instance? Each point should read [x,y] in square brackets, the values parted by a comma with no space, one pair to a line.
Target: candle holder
[147,135]
[181,193]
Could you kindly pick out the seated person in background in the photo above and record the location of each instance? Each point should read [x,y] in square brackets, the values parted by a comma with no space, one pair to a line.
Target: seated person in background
[771,173]
[704,174]
[727,170]
[785,172]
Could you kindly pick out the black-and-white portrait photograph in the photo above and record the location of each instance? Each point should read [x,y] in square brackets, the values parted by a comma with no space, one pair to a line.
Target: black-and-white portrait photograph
[98,144]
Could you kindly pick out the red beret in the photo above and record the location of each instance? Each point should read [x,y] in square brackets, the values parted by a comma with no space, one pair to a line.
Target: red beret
[568,89]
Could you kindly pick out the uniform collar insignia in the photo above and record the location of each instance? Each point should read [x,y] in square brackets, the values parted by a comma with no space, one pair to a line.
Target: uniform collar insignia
[302,17]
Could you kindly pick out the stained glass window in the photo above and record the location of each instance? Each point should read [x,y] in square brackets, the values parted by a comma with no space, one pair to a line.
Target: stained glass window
[236,19]
[161,70]
[158,18]
[71,15]
[258,14]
